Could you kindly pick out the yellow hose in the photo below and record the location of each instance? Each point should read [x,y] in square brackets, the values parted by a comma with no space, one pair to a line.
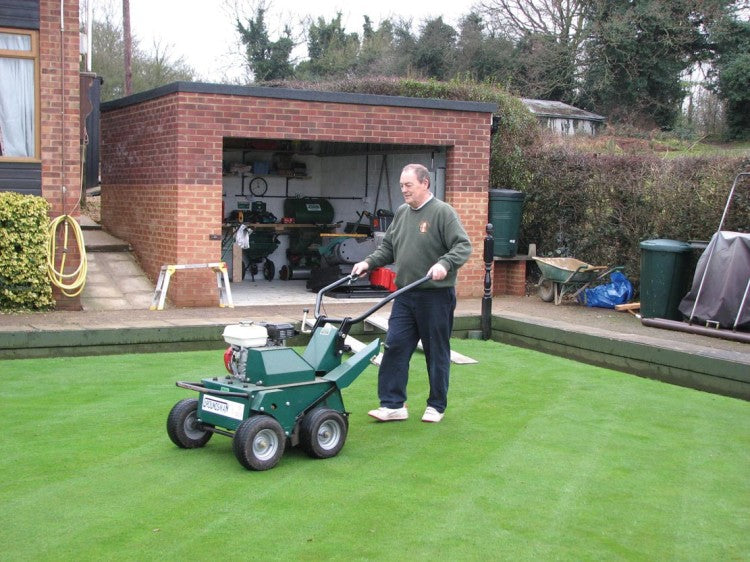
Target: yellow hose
[71,284]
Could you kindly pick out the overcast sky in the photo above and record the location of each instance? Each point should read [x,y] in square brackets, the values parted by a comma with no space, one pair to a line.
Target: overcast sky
[202,31]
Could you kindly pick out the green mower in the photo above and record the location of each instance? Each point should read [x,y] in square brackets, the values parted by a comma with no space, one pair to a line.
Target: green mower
[273,396]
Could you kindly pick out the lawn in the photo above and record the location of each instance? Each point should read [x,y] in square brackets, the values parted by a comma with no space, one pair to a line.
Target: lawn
[538,458]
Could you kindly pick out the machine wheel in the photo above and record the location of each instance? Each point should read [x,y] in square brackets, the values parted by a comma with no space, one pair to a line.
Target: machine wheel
[269,270]
[323,433]
[547,290]
[259,442]
[183,426]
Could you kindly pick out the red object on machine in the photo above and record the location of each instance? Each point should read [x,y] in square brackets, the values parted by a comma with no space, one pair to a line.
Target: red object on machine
[228,359]
[384,278]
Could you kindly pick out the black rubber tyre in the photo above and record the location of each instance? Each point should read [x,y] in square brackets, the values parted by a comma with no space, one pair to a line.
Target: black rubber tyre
[259,442]
[269,270]
[183,427]
[547,290]
[323,433]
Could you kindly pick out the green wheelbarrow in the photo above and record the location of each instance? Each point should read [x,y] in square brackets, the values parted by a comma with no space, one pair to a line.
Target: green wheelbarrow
[562,276]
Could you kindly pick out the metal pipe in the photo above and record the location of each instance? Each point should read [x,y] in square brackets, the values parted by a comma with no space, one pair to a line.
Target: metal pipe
[742,306]
[376,307]
[699,330]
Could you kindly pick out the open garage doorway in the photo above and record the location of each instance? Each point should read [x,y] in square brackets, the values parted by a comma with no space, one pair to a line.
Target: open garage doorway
[296,215]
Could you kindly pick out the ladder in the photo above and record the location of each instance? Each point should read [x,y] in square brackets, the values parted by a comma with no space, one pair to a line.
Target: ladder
[222,283]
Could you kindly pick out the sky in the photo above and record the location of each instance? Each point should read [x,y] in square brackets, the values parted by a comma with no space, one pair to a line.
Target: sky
[202,31]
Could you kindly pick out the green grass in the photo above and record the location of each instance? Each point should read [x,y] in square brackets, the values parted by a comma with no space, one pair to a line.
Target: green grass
[678,149]
[537,458]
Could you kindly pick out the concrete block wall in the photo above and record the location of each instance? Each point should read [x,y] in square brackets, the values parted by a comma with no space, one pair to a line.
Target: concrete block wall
[162,157]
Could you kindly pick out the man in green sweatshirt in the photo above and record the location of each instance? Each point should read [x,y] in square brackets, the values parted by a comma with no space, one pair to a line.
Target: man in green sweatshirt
[425,238]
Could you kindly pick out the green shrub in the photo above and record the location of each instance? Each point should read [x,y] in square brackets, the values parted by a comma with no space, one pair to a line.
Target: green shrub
[24,284]
[598,208]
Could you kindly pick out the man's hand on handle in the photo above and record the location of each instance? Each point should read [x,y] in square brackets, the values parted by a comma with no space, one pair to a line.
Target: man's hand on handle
[438,272]
[360,268]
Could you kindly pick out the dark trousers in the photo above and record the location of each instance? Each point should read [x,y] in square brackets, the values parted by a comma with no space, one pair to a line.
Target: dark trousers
[425,315]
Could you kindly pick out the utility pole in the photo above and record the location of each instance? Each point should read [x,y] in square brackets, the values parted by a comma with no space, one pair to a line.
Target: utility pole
[128,45]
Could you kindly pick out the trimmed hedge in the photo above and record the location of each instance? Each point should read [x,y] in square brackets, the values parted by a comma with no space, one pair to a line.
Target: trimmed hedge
[598,208]
[24,284]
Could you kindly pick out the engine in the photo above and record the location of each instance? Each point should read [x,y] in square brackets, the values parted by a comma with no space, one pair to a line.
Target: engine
[246,335]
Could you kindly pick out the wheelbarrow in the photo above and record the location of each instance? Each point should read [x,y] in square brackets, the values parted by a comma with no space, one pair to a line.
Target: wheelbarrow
[561,276]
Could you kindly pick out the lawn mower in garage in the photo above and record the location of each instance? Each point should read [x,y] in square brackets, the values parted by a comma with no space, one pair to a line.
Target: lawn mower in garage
[274,396]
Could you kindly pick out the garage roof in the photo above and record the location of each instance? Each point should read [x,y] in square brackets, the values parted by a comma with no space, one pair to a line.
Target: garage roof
[303,95]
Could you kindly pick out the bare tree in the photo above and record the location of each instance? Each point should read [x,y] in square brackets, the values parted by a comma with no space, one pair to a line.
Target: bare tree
[548,36]
[563,19]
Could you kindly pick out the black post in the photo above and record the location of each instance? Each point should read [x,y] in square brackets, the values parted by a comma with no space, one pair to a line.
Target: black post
[489,247]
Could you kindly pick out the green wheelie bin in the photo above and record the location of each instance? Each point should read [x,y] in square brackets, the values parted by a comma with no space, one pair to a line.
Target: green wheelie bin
[664,277]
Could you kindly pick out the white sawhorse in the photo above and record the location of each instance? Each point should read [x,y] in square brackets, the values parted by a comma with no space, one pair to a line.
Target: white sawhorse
[222,282]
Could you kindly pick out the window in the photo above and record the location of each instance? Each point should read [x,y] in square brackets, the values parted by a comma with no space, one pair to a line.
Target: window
[19,113]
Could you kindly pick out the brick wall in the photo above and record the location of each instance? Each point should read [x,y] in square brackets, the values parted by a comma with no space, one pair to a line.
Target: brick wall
[59,112]
[161,169]
[509,278]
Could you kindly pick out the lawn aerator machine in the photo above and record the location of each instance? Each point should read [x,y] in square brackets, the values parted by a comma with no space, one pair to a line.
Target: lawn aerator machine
[272,395]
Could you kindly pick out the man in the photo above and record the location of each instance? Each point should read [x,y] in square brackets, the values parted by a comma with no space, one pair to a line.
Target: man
[425,238]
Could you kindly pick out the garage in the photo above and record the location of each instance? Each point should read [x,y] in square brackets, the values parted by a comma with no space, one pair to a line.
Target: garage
[308,178]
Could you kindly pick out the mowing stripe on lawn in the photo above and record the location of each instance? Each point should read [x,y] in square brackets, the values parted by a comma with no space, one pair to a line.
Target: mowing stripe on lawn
[538,457]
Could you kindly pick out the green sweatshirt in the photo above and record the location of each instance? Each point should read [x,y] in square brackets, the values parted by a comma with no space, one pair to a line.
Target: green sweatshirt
[417,240]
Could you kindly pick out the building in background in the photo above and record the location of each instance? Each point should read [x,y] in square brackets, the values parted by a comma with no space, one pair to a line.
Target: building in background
[565,119]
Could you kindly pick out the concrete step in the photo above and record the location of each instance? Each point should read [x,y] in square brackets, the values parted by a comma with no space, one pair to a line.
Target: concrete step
[88,224]
[96,240]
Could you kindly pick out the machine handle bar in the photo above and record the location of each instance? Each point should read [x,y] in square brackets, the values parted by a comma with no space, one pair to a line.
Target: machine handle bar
[375,308]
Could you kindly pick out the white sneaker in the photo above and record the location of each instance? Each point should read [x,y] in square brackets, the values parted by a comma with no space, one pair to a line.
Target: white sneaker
[431,415]
[389,414]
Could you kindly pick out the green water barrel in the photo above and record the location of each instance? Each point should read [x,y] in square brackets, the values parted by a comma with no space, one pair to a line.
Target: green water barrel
[664,277]
[505,216]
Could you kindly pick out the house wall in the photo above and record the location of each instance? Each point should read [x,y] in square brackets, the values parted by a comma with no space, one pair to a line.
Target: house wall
[162,170]
[59,96]
[59,109]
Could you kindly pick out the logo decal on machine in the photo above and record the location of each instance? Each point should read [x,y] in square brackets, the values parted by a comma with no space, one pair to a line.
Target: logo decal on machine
[222,407]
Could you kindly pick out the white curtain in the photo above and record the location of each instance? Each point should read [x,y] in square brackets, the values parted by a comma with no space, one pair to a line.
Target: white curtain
[16,98]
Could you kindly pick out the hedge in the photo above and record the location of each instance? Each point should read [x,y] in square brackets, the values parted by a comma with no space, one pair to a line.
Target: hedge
[24,284]
[598,208]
